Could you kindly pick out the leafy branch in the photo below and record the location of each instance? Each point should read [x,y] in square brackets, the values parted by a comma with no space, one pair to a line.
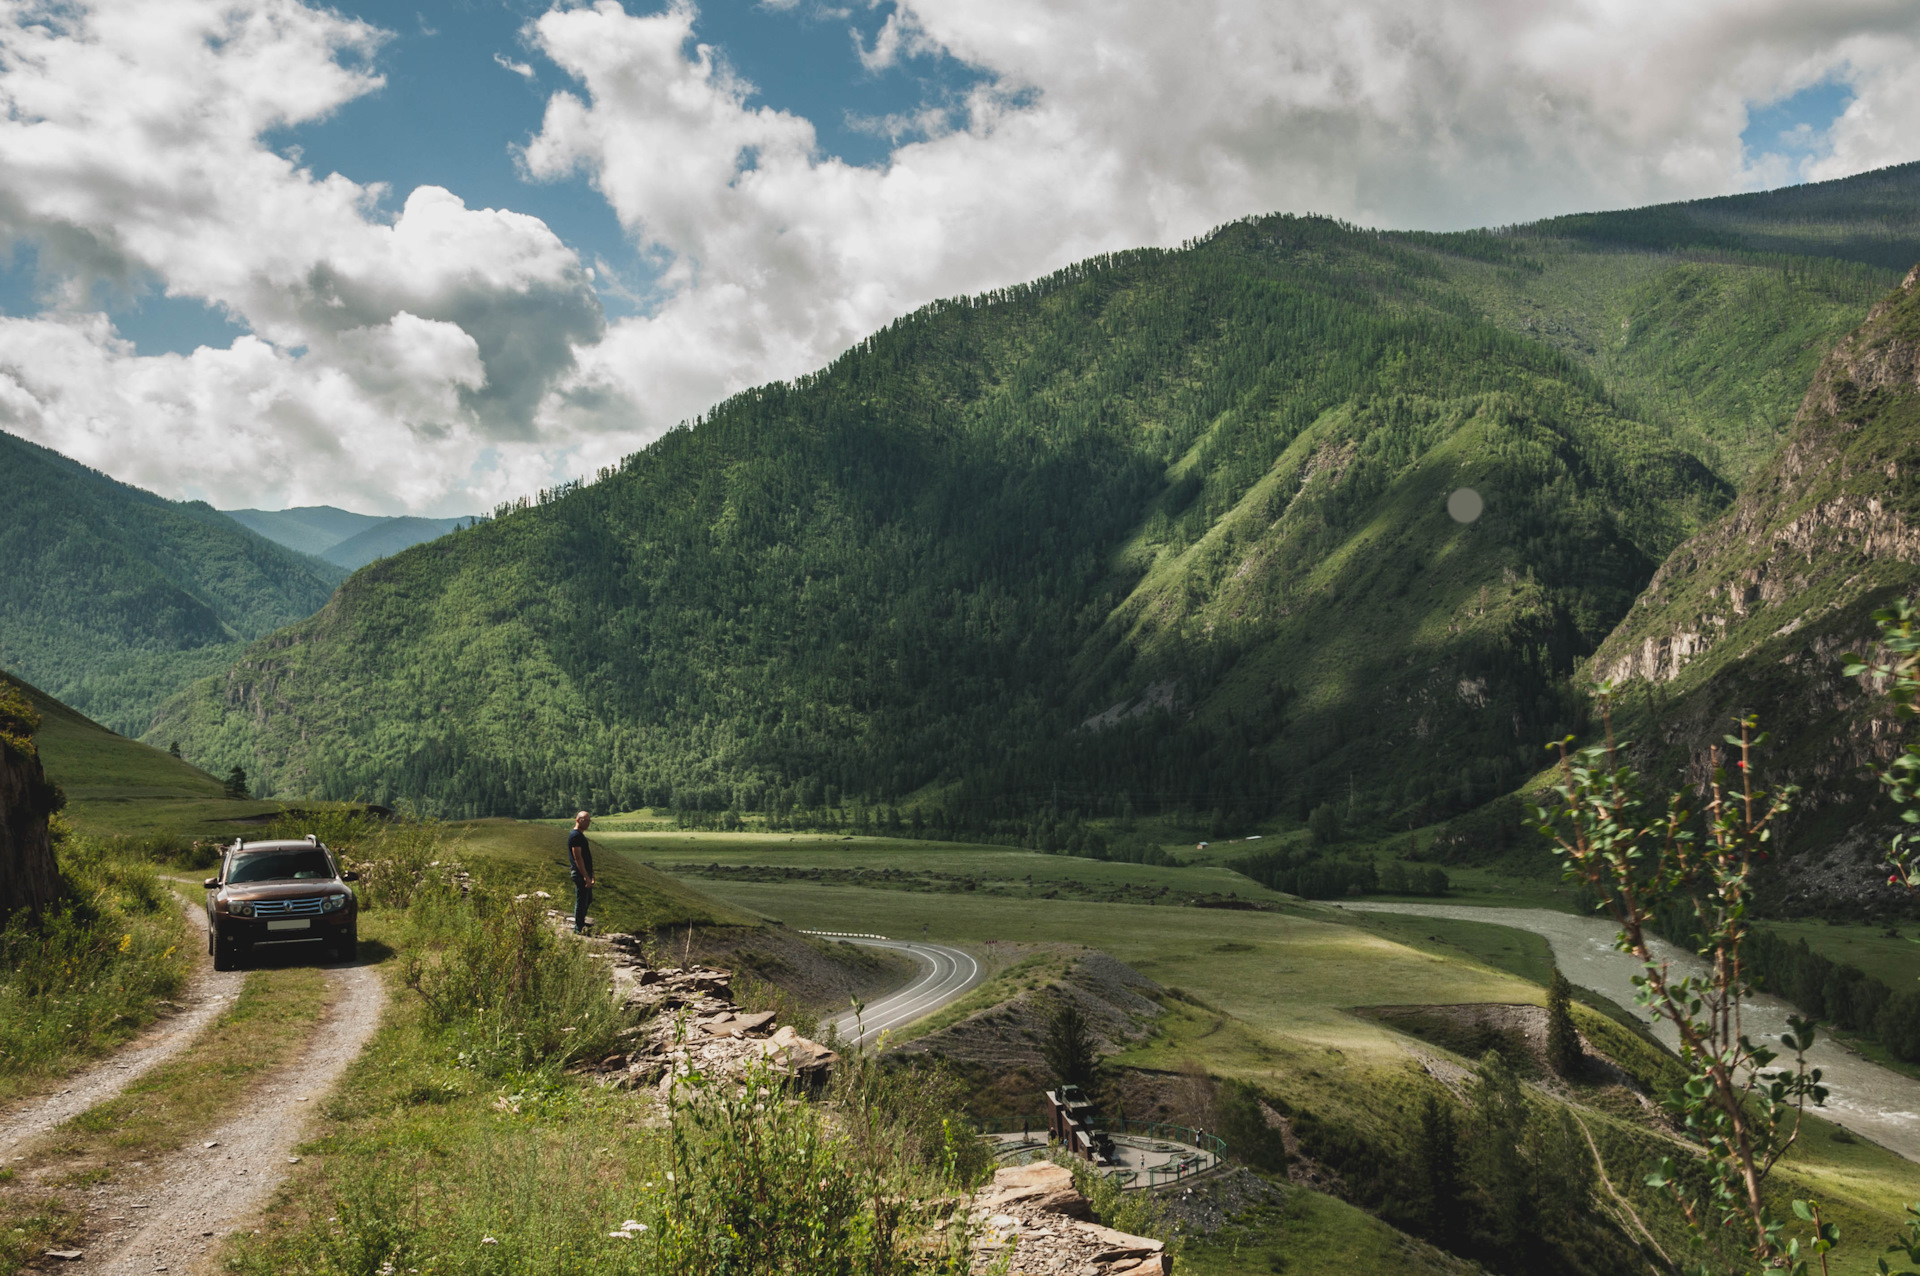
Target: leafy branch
[1637,856]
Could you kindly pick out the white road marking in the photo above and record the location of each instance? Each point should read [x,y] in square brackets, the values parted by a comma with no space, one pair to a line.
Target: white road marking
[945,974]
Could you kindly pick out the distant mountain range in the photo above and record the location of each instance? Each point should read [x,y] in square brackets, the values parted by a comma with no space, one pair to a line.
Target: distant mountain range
[112,598]
[342,537]
[1166,531]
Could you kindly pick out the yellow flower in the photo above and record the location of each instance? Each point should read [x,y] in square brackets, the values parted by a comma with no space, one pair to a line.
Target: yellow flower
[126,941]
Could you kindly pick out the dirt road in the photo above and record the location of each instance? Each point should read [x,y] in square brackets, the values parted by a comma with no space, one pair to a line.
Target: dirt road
[170,1215]
[1866,1098]
[173,1217]
[207,994]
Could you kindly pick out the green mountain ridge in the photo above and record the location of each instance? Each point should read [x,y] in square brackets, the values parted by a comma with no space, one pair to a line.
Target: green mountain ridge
[1163,531]
[115,598]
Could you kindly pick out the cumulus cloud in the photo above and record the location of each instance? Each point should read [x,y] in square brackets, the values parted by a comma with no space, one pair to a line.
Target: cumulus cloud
[1103,125]
[389,352]
[386,352]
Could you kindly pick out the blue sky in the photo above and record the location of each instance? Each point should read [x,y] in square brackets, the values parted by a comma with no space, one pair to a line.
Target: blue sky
[450,115]
[187,310]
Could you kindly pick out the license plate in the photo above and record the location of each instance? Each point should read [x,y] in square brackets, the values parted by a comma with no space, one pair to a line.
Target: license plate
[298,923]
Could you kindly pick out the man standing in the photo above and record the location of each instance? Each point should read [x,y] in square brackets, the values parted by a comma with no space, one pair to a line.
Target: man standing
[582,856]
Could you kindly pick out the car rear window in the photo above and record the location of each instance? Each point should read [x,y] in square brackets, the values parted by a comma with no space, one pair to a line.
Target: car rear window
[279,866]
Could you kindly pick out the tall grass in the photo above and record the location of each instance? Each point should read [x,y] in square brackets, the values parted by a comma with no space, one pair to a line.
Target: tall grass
[85,975]
[462,1145]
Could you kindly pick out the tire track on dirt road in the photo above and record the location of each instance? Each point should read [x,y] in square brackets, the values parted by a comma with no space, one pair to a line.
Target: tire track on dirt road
[178,1211]
[208,992]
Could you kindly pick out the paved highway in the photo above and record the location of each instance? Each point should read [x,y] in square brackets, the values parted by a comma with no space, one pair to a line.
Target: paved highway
[945,974]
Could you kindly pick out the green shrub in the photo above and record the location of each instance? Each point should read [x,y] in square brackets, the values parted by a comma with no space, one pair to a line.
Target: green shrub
[89,973]
[496,976]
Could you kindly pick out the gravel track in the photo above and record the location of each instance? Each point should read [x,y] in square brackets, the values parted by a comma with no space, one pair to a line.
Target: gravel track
[208,992]
[1868,1099]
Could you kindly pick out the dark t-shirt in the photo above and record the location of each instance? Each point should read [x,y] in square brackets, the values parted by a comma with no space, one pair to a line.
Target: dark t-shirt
[579,839]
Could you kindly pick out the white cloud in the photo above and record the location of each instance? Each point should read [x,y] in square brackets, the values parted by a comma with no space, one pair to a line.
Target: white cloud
[387,351]
[391,352]
[520,69]
[1108,124]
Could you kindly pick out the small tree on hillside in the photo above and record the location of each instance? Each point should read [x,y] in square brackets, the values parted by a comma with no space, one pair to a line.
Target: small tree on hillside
[1324,824]
[174,748]
[1438,1182]
[1563,1039]
[1070,1048]
[1638,856]
[237,783]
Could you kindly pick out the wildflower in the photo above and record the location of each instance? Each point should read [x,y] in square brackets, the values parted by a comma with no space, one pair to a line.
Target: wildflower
[488,1240]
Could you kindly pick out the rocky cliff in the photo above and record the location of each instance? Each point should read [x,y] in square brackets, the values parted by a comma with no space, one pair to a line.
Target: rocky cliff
[28,878]
[1752,614]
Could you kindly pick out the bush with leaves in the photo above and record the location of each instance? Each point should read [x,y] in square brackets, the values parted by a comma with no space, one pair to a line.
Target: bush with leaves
[515,994]
[1635,856]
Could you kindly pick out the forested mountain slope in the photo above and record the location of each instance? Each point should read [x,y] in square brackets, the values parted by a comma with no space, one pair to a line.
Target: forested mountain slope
[1752,615]
[1166,529]
[114,598]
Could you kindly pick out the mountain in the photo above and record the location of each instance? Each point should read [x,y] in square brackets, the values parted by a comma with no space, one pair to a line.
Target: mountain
[1753,613]
[309,529]
[114,598]
[1166,530]
[342,537]
[389,537]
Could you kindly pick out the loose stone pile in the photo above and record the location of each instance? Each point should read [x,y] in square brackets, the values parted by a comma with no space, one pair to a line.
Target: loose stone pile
[1035,1220]
[693,1026]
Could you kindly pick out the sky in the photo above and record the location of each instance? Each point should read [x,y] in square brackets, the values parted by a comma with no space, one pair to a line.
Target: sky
[428,257]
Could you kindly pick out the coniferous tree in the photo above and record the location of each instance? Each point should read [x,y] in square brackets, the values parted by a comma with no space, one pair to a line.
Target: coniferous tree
[1436,1167]
[1070,1049]
[1563,1039]
[237,783]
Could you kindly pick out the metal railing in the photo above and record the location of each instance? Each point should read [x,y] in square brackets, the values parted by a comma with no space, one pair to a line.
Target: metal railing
[1208,1149]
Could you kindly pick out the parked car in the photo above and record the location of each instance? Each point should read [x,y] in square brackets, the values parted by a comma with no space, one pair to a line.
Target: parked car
[280,892]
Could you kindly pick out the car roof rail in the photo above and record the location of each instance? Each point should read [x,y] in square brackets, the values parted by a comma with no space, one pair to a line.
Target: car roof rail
[313,838]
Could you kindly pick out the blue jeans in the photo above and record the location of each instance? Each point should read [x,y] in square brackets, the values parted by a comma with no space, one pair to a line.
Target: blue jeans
[582,898]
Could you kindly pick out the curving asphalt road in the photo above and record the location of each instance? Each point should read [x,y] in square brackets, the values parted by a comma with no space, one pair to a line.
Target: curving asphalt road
[945,974]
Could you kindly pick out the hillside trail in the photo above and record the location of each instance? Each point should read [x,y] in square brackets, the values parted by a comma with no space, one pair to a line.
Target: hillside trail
[1879,1103]
[207,993]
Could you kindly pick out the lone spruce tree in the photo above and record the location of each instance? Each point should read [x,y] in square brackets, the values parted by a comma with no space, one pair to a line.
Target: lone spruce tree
[1563,1039]
[1069,1048]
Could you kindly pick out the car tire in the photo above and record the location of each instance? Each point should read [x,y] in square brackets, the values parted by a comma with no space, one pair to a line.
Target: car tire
[224,956]
[348,947]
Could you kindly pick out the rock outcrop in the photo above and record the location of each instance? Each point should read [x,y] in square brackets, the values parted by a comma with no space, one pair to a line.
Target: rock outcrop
[694,1026]
[1753,613]
[28,876]
[1033,1220]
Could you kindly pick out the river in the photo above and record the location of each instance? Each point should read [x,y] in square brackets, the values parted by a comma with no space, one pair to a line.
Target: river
[1866,1098]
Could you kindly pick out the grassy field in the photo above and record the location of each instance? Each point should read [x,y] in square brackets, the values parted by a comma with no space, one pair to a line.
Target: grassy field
[119,786]
[1893,959]
[629,897]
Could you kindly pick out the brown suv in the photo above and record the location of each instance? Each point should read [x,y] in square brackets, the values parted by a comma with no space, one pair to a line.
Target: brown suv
[270,892]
